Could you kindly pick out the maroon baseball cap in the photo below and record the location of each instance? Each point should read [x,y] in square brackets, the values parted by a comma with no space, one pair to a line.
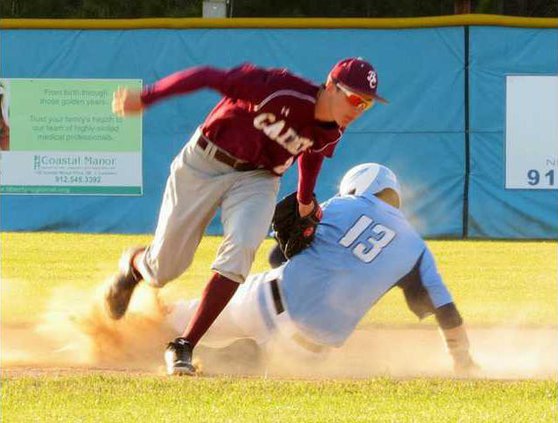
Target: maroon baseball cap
[358,75]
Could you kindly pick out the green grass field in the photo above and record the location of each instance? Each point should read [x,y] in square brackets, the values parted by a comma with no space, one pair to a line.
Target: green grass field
[494,283]
[160,399]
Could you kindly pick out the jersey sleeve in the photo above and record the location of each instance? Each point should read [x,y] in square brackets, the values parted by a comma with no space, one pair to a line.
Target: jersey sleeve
[245,82]
[253,84]
[432,281]
[309,165]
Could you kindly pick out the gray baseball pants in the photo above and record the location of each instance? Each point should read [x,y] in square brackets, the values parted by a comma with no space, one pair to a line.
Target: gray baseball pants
[198,184]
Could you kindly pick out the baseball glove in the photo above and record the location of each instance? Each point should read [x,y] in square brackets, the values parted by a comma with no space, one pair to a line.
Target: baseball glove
[292,232]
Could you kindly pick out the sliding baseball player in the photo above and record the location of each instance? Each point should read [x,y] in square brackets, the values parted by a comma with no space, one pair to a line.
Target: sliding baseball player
[363,247]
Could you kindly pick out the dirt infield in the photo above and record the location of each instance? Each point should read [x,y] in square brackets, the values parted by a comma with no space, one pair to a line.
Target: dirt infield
[502,353]
[85,341]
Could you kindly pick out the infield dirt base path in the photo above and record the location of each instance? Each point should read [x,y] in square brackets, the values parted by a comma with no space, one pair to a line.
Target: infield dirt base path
[78,337]
[502,353]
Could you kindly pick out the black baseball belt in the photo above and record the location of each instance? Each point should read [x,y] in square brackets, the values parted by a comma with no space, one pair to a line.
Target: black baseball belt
[280,308]
[224,157]
[276,295]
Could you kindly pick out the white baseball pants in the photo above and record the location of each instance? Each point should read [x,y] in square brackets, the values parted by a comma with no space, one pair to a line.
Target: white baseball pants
[252,314]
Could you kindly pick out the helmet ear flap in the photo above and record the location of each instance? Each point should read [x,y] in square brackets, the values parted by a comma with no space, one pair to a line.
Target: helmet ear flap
[389,196]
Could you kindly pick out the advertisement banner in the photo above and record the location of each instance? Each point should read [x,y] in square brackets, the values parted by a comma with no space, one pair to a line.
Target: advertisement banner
[59,136]
[531,132]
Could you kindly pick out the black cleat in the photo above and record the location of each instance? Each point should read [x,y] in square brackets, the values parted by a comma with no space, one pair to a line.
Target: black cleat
[122,286]
[178,358]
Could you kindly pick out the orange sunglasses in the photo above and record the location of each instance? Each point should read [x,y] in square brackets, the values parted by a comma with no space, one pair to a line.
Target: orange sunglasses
[354,99]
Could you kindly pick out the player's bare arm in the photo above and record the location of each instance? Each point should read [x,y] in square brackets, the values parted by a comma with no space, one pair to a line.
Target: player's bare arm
[457,343]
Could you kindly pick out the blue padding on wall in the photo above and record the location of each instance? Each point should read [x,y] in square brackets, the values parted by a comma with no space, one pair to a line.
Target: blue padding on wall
[495,212]
[432,192]
[420,133]
[432,189]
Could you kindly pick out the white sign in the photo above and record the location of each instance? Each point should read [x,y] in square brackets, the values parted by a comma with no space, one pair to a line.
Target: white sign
[531,132]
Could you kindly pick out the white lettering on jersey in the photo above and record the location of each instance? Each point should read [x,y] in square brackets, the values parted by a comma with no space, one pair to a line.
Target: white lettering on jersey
[263,119]
[279,170]
[287,138]
[368,250]
[273,130]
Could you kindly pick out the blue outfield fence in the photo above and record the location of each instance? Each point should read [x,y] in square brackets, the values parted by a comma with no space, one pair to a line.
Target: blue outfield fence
[495,212]
[421,134]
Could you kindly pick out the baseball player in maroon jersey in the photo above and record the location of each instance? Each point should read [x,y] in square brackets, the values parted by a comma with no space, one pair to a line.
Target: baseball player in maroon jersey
[266,119]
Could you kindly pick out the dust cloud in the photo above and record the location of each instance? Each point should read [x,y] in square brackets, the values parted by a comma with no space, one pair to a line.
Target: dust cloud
[75,334]
[76,331]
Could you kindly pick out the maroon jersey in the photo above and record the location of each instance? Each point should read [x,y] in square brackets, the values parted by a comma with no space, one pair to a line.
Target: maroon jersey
[266,116]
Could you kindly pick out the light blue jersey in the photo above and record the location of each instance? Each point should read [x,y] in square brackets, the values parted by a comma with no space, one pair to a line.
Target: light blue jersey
[363,247]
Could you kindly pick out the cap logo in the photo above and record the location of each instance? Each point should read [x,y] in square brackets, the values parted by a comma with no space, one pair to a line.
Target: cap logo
[372,79]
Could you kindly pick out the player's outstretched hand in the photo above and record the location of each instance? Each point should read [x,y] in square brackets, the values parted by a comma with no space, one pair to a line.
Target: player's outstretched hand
[466,367]
[126,102]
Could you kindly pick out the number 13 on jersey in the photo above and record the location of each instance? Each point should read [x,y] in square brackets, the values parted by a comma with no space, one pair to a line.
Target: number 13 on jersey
[368,249]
